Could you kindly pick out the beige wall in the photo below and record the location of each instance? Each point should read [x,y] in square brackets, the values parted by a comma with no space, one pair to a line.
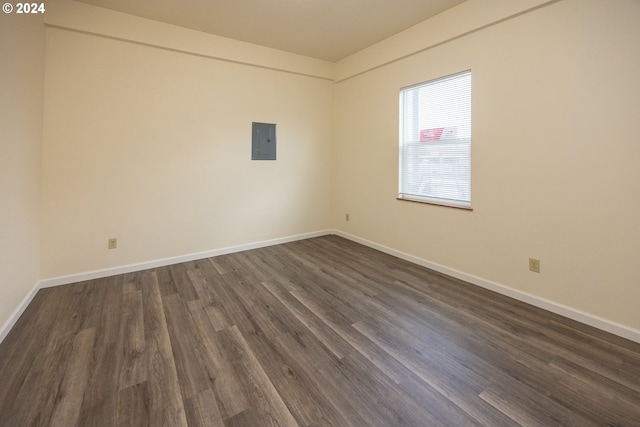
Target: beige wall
[153,146]
[21,80]
[555,175]
[95,20]
[147,132]
[466,17]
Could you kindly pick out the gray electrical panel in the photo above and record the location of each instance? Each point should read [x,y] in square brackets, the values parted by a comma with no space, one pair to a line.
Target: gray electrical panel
[263,141]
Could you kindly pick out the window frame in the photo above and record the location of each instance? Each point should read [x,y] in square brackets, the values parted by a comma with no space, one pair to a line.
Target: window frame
[422,198]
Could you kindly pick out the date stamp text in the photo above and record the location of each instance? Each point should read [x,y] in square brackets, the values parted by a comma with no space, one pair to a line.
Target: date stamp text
[23,8]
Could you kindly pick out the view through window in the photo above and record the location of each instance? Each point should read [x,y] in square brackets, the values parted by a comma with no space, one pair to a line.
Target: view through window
[435,141]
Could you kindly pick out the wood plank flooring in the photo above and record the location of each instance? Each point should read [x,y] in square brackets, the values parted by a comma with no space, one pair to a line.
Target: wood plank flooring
[319,332]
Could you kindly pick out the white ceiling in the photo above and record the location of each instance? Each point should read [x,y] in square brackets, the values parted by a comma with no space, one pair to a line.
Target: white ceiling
[324,29]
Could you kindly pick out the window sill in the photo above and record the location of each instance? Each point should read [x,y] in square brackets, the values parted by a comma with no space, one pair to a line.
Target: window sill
[435,203]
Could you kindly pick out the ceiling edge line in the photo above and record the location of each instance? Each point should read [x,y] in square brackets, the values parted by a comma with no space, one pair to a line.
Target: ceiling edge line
[187,52]
[440,43]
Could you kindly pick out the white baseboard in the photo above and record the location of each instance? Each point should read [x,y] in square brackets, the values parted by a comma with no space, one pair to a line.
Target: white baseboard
[563,310]
[97,274]
[571,313]
[11,321]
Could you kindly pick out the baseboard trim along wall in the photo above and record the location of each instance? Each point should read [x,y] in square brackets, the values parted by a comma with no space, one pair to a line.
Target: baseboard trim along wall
[571,313]
[11,321]
[97,274]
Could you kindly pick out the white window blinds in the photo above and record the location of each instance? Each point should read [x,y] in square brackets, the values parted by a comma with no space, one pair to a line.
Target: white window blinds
[435,141]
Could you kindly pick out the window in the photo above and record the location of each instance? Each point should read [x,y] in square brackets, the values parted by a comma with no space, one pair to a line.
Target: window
[435,141]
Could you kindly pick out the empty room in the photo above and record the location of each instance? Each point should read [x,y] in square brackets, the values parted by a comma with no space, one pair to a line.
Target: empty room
[320,213]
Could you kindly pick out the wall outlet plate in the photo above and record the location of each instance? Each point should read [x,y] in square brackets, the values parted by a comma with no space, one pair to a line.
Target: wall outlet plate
[112,243]
[534,265]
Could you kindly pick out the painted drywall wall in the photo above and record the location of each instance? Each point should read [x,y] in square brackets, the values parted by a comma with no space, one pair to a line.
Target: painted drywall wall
[544,97]
[554,170]
[465,18]
[153,147]
[21,79]
[95,20]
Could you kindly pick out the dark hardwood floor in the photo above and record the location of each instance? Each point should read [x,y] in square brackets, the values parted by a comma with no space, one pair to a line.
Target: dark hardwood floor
[319,332]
